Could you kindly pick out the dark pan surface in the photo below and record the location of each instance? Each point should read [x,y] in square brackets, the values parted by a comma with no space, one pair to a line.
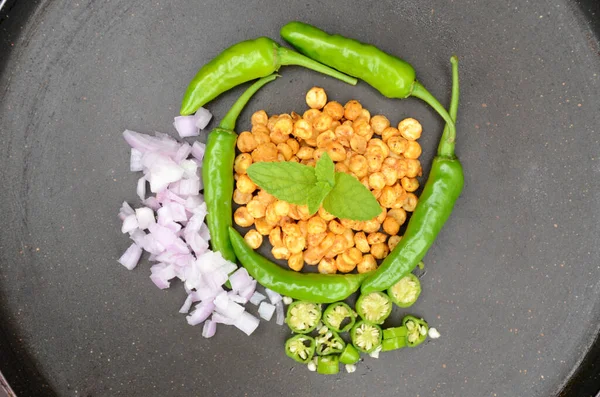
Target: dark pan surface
[512,283]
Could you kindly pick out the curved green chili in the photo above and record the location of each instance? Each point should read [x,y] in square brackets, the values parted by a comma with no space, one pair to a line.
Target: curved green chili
[310,287]
[441,191]
[391,76]
[217,174]
[245,61]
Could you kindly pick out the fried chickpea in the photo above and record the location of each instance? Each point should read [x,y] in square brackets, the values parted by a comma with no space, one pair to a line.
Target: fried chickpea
[344,133]
[322,122]
[282,208]
[349,237]
[313,255]
[358,165]
[336,151]
[352,109]
[294,244]
[410,203]
[271,122]
[259,117]
[399,214]
[400,195]
[326,216]
[294,159]
[302,129]
[350,224]
[280,157]
[413,150]
[262,226]
[303,225]
[276,237]
[410,129]
[304,212]
[401,167]
[371,226]
[327,266]
[241,198]
[376,193]
[253,238]
[365,182]
[339,245]
[364,115]
[242,162]
[310,115]
[376,237]
[367,264]
[293,144]
[409,184]
[341,167]
[380,250]
[352,255]
[295,116]
[393,242]
[388,197]
[382,215]
[293,213]
[413,168]
[325,138]
[375,142]
[334,109]
[361,127]
[291,229]
[261,137]
[305,153]
[391,226]
[336,228]
[280,252]
[379,123]
[265,197]
[244,184]
[316,98]
[296,261]
[285,150]
[256,208]
[397,144]
[242,218]
[246,142]
[318,153]
[360,242]
[390,174]
[265,152]
[315,239]
[376,180]
[260,128]
[335,124]
[316,225]
[342,265]
[388,133]
[281,130]
[358,144]
[374,159]
[271,216]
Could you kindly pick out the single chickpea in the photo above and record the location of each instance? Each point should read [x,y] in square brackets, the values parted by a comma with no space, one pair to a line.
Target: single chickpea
[316,225]
[327,242]
[304,212]
[342,265]
[302,129]
[280,252]
[313,255]
[326,216]
[291,229]
[371,226]
[310,115]
[364,115]
[259,117]
[282,207]
[315,239]
[258,129]
[382,215]
[242,162]
[367,264]
[262,226]
[388,197]
[390,174]
[295,116]
[358,165]
[352,255]
[271,122]
[276,237]
[409,184]
[284,149]
[375,142]
[339,245]
[393,242]
[336,151]
[335,124]
[242,218]
[389,132]
[246,142]
[365,182]
[344,134]
[327,266]
[303,225]
[380,250]
[322,122]
[316,98]
[284,220]
[379,123]
[336,227]
[400,195]
[334,109]
[352,109]
[294,244]
[305,153]
[244,184]
[410,129]
[349,236]
[376,180]
[397,144]
[265,152]
[311,142]
[376,193]
[358,144]
[360,242]
[271,216]
[361,127]
[410,203]
[390,161]
[413,150]
[293,144]
[391,226]
[413,168]
[341,167]
[282,129]
[374,159]
[280,157]
[325,138]
[293,213]
[399,214]
[350,224]
[294,159]
[401,167]
[253,238]
[296,261]
[241,198]
[265,197]
[318,153]
[261,138]
[256,208]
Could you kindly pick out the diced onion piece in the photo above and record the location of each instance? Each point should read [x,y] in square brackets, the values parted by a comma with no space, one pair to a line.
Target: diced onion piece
[221,319]
[274,297]
[375,353]
[186,126]
[287,300]
[249,290]
[141,188]
[280,314]
[203,117]
[240,279]
[227,307]
[350,368]
[187,304]
[130,223]
[434,333]
[135,160]
[145,217]
[125,211]
[256,298]
[312,367]
[247,323]
[209,329]
[266,310]
[198,149]
[201,312]
[236,298]
[131,256]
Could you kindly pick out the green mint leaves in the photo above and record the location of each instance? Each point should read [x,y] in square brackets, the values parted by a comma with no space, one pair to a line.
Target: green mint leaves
[341,194]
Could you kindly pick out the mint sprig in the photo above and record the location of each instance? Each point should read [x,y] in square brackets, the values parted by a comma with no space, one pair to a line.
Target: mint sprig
[341,194]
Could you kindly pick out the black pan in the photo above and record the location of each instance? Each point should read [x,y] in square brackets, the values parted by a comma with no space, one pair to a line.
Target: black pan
[512,283]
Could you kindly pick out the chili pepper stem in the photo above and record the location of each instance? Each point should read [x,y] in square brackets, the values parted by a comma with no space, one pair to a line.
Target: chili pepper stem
[446,147]
[230,118]
[287,57]
[443,146]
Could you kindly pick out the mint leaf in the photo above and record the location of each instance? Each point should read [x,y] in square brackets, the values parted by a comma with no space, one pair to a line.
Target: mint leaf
[350,199]
[325,170]
[316,196]
[288,181]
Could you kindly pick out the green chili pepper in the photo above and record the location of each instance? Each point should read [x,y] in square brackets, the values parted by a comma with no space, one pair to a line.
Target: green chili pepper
[393,344]
[300,348]
[311,287]
[328,365]
[217,174]
[245,61]
[374,307]
[391,76]
[406,291]
[366,337]
[339,317]
[303,317]
[417,329]
[329,342]
[349,355]
[441,191]
[396,332]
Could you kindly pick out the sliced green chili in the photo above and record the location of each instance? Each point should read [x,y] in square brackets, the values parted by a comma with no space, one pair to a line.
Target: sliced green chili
[396,332]
[366,337]
[374,308]
[339,317]
[300,348]
[329,342]
[406,291]
[393,344]
[328,365]
[417,329]
[303,317]
[349,355]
